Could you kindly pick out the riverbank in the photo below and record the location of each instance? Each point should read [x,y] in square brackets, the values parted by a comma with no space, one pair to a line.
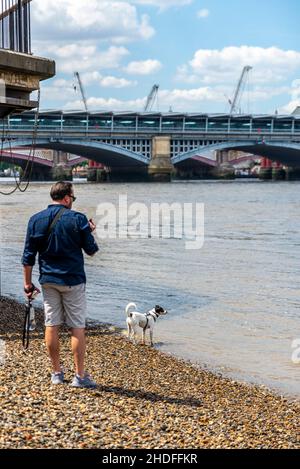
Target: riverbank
[144,399]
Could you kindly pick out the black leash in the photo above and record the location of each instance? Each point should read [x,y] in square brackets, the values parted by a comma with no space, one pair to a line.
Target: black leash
[29,322]
[26,329]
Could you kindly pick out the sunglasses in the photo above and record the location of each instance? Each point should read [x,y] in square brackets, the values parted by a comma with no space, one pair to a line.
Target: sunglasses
[73,197]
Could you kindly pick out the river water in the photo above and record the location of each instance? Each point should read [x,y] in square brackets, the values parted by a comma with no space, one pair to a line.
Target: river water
[233,304]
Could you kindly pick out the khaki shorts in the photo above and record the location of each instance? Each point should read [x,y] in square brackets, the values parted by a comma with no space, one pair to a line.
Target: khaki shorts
[63,304]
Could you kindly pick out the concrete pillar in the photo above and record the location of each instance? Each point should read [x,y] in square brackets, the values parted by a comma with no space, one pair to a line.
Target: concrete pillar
[63,157]
[219,157]
[222,156]
[96,172]
[21,74]
[223,171]
[60,157]
[91,174]
[61,172]
[55,157]
[161,168]
[278,173]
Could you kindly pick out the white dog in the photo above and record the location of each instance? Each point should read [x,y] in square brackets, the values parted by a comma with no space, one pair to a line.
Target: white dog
[145,321]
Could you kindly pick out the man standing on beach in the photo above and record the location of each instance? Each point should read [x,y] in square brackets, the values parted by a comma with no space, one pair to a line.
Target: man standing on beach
[58,235]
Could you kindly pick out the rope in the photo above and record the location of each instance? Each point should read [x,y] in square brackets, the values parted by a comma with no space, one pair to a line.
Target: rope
[30,162]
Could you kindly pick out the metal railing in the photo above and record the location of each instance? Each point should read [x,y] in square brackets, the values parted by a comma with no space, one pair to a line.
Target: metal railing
[15,33]
[90,130]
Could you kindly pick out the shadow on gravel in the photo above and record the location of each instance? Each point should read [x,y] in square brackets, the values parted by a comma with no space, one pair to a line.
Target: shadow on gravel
[149,396]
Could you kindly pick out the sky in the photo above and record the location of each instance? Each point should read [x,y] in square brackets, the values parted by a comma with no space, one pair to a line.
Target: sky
[194,50]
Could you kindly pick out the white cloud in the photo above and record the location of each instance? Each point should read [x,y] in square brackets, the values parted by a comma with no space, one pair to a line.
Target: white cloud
[113,82]
[204,13]
[83,56]
[52,93]
[92,78]
[202,99]
[117,21]
[61,90]
[295,98]
[210,66]
[163,4]
[180,100]
[143,67]
[107,104]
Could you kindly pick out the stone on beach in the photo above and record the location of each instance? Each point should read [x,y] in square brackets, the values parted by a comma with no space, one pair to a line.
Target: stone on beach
[144,399]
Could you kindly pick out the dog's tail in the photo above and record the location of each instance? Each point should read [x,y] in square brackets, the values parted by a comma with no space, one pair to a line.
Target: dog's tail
[130,305]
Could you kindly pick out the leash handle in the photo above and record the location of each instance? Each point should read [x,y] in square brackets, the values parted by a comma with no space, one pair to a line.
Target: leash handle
[26,327]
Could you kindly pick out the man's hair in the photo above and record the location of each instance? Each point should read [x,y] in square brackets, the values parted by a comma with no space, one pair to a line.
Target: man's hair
[60,189]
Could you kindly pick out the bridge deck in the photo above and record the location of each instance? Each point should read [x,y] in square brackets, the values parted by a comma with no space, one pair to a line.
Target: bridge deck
[58,121]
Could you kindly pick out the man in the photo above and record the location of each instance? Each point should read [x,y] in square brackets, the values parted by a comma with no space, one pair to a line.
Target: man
[59,234]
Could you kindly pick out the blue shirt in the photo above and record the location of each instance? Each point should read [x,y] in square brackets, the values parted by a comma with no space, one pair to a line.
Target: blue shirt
[60,256]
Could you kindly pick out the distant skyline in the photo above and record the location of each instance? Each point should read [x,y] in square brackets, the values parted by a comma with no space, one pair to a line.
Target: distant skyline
[194,49]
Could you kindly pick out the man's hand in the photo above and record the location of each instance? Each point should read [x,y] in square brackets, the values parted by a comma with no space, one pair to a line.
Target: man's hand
[92,225]
[31,290]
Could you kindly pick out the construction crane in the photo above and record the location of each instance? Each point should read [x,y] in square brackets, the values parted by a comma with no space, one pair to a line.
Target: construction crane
[239,90]
[151,98]
[77,77]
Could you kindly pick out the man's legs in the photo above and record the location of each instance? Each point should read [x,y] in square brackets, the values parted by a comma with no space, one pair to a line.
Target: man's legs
[74,302]
[78,349]
[53,318]
[81,379]
[52,343]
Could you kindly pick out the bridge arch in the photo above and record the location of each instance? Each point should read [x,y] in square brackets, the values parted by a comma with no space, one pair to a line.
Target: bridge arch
[109,155]
[21,159]
[288,153]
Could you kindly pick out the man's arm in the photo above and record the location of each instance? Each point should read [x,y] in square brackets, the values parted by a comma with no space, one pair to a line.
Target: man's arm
[29,287]
[28,261]
[27,276]
[89,244]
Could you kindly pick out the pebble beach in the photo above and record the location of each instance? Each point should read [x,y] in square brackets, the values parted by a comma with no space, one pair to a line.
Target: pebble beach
[144,398]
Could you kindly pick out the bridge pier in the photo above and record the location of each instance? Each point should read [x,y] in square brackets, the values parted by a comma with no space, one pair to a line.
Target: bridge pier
[161,168]
[224,171]
[278,173]
[61,172]
[96,172]
[97,175]
[38,173]
[222,156]
[60,157]
[270,170]
[292,174]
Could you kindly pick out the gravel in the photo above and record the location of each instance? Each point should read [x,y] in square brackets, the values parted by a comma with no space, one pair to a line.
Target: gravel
[144,399]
